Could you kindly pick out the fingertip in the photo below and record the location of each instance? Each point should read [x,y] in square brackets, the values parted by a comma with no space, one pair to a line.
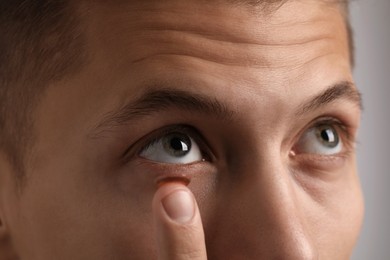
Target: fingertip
[178,224]
[174,202]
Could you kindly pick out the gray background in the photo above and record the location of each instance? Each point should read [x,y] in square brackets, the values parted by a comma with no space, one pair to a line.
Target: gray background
[371,23]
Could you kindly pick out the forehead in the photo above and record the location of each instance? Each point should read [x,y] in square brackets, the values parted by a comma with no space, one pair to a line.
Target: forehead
[294,40]
[291,24]
[251,36]
[272,58]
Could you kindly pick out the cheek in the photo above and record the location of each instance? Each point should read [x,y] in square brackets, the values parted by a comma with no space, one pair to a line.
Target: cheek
[351,211]
[98,212]
[338,225]
[88,219]
[138,181]
[140,178]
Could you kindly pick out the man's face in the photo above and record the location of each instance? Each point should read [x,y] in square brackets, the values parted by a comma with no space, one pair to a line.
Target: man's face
[254,108]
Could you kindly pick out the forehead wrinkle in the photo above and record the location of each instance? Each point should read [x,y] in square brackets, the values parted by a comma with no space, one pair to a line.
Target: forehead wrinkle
[230,37]
[221,38]
[221,48]
[246,55]
[237,30]
[236,24]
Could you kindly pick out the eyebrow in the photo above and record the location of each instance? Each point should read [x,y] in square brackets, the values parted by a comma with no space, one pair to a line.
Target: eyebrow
[342,90]
[155,101]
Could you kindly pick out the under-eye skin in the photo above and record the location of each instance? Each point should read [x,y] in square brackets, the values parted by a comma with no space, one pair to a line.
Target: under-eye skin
[174,145]
[326,137]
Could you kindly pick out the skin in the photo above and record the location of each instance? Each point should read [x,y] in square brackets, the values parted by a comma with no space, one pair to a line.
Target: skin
[260,192]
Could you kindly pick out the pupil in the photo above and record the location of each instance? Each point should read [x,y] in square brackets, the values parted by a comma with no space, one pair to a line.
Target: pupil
[177,144]
[329,137]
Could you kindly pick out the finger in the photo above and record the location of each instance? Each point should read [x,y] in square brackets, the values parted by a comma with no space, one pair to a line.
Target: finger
[178,224]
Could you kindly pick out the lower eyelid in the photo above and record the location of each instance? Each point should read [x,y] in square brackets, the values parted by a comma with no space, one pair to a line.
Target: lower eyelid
[165,170]
[320,162]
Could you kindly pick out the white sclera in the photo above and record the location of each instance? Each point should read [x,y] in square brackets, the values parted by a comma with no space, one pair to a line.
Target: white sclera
[311,142]
[157,152]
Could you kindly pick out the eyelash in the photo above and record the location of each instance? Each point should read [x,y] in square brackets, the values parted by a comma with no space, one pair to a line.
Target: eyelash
[155,136]
[344,130]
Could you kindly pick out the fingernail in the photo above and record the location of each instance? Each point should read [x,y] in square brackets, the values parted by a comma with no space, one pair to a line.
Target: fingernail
[179,206]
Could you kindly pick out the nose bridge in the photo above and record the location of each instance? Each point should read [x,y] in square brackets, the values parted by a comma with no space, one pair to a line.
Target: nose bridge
[271,212]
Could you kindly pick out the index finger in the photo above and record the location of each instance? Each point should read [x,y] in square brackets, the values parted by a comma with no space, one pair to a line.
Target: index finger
[178,224]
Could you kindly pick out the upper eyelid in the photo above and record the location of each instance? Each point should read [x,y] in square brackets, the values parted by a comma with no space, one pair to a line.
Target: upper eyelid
[151,138]
[344,129]
[334,122]
[183,129]
[165,131]
[346,136]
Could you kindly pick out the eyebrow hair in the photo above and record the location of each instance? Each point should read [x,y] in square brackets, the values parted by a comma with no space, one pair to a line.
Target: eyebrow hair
[162,100]
[154,101]
[342,90]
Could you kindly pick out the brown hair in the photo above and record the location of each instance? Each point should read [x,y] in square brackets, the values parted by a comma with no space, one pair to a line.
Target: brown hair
[39,43]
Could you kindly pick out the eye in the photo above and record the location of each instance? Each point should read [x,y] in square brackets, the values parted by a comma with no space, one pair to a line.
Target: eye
[322,139]
[174,148]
